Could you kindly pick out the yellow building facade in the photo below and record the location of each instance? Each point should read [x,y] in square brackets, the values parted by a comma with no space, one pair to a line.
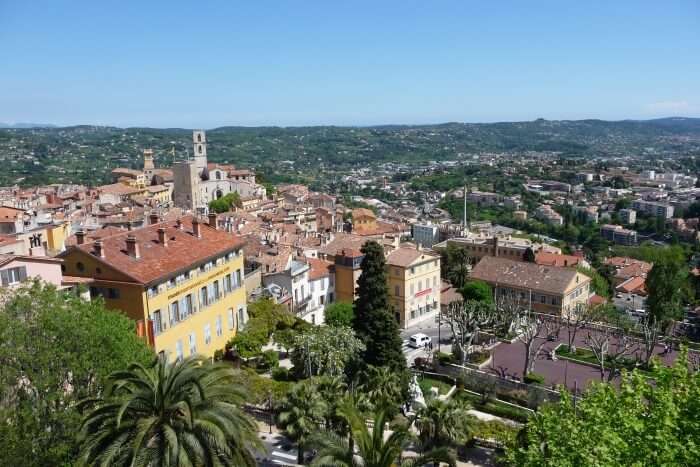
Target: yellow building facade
[193,308]
[413,277]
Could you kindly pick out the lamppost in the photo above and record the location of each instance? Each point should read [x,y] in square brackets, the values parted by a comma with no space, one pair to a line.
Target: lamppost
[269,406]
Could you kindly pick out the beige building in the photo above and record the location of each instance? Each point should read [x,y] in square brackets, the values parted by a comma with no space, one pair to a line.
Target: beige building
[478,246]
[546,289]
[413,277]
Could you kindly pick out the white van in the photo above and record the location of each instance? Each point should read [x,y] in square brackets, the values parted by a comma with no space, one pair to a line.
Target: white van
[418,341]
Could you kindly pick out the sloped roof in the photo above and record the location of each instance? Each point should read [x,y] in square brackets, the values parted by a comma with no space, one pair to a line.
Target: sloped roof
[157,261]
[523,275]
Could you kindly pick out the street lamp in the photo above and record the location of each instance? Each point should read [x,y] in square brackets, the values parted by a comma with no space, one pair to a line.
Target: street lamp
[269,406]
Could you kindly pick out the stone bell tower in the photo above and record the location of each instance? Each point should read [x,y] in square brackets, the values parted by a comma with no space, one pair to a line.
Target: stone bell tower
[199,140]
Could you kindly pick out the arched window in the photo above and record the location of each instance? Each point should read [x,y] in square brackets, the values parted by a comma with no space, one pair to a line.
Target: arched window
[200,148]
[199,138]
[218,175]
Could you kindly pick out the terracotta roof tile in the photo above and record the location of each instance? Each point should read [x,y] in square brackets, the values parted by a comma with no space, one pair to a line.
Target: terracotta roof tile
[524,275]
[157,261]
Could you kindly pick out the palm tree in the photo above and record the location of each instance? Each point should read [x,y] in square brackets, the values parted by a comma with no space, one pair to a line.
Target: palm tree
[384,387]
[443,424]
[300,413]
[185,413]
[372,449]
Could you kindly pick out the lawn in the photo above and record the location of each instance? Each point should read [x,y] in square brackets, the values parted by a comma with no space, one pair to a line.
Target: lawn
[495,407]
[426,382]
[587,356]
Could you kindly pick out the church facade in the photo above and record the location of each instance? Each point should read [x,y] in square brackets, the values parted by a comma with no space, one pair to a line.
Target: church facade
[197,182]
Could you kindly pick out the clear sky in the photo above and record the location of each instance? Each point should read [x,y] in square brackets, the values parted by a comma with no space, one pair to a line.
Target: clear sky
[210,63]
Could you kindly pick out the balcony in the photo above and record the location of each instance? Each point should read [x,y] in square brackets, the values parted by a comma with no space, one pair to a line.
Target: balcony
[301,306]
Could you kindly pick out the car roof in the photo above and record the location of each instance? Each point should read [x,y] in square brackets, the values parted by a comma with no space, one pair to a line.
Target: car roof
[420,335]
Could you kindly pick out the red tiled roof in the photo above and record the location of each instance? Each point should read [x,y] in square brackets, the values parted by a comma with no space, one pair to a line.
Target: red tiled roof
[183,251]
[552,259]
[319,268]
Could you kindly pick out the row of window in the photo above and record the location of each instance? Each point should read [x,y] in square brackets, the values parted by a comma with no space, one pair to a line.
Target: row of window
[206,333]
[421,310]
[525,297]
[179,310]
[417,269]
[412,288]
[191,274]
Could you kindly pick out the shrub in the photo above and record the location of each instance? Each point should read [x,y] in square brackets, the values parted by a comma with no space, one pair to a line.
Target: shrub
[280,373]
[219,355]
[445,358]
[270,359]
[477,358]
[534,378]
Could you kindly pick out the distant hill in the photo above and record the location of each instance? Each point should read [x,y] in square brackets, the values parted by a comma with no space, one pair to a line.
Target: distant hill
[27,125]
[86,153]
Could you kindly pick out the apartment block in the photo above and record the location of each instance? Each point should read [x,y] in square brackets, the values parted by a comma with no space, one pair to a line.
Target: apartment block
[653,208]
[413,278]
[182,282]
[618,234]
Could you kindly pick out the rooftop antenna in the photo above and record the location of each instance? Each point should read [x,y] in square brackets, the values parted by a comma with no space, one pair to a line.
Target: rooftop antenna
[464,220]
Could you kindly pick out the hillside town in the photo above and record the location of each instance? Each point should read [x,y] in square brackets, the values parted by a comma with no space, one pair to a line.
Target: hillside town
[192,253]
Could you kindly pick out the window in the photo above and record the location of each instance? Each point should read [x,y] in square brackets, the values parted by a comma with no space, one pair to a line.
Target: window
[178,350]
[207,334]
[231,319]
[152,292]
[219,328]
[193,344]
[311,286]
[203,298]
[217,292]
[210,294]
[435,281]
[113,293]
[241,316]
[420,285]
[228,286]
[321,300]
[543,299]
[397,290]
[174,313]
[188,305]
[157,324]
[13,275]
[412,289]
[80,266]
[238,278]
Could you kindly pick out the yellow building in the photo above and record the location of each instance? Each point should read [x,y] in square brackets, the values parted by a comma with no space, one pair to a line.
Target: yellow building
[413,277]
[182,282]
[543,288]
[347,272]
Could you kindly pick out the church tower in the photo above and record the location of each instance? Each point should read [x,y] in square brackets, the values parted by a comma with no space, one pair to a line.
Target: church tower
[199,139]
[148,160]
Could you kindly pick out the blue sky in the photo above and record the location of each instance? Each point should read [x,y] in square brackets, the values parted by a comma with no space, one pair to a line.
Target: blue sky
[206,64]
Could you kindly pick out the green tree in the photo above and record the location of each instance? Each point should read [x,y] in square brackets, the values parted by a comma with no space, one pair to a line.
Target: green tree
[454,264]
[599,283]
[325,350]
[443,424]
[300,413]
[384,388]
[479,291]
[641,423]
[371,448]
[225,203]
[339,314]
[665,285]
[55,350]
[184,413]
[374,322]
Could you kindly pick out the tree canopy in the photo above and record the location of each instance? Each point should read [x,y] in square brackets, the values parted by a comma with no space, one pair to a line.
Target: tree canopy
[374,322]
[479,291]
[339,314]
[225,203]
[638,424]
[55,350]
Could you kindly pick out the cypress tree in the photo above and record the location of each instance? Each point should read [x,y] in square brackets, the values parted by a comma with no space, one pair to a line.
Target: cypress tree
[374,320]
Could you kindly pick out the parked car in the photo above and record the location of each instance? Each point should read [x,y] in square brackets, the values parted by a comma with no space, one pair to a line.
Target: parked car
[419,340]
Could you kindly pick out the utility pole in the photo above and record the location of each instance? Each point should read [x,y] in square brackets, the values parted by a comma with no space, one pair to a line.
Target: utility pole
[464,220]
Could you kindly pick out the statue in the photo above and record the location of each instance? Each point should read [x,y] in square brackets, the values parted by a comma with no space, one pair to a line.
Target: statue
[417,399]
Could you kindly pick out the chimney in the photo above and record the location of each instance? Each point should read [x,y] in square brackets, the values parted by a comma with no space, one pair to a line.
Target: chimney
[99,248]
[153,218]
[212,220]
[80,237]
[162,238]
[196,229]
[132,247]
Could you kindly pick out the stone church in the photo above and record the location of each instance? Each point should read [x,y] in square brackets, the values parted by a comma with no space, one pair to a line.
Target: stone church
[197,182]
